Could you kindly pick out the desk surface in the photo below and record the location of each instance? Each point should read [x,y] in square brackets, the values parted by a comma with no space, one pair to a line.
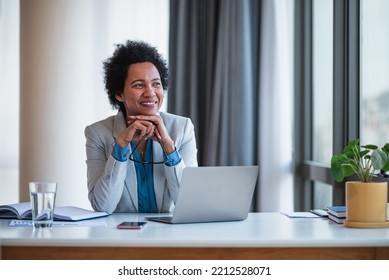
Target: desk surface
[260,230]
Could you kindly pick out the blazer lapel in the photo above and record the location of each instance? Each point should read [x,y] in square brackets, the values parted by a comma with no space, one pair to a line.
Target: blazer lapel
[119,125]
[132,181]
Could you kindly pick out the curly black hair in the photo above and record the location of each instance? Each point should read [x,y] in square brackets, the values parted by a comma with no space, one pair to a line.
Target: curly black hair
[116,67]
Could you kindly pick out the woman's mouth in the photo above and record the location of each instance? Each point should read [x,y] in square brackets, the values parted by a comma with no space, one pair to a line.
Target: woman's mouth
[149,103]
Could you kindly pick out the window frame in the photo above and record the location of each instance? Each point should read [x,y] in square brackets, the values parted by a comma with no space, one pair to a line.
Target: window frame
[346,96]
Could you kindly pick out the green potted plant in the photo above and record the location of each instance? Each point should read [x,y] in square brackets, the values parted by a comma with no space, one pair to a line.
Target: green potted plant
[366,200]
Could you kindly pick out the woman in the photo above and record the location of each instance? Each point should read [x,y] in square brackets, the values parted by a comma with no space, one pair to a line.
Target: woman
[135,159]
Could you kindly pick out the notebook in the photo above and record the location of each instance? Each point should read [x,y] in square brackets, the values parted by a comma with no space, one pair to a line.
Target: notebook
[213,194]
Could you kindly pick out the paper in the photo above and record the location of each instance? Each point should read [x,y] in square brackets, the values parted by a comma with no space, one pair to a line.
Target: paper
[300,215]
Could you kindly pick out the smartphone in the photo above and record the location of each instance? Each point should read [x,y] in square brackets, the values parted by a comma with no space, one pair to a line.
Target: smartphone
[131,225]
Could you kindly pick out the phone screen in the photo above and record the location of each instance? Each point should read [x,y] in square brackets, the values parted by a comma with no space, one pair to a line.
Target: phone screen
[131,225]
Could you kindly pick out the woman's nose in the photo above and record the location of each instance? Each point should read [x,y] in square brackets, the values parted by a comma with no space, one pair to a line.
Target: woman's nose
[149,91]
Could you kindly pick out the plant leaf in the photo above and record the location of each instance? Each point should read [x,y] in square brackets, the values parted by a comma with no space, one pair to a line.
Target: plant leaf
[337,169]
[370,147]
[378,159]
[337,172]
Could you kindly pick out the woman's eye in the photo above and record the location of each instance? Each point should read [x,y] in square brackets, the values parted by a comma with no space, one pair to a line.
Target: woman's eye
[138,85]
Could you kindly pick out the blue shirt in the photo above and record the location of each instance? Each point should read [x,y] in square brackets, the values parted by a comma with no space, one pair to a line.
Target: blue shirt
[144,173]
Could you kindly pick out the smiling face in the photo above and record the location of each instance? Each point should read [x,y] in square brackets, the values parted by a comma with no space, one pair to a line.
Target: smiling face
[143,92]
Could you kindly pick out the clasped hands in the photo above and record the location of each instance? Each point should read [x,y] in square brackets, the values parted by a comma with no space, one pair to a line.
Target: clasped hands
[144,127]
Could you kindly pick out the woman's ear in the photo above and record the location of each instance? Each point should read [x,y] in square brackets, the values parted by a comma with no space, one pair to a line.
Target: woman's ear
[119,96]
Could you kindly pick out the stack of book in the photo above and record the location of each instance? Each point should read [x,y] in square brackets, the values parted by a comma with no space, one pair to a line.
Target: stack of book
[337,213]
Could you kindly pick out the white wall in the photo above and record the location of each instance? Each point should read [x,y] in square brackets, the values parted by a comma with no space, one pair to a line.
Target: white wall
[63,45]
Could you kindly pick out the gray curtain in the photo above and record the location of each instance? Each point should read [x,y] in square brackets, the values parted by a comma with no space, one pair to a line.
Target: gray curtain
[231,73]
[213,59]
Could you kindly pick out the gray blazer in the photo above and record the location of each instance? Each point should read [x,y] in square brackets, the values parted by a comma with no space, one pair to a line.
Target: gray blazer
[112,185]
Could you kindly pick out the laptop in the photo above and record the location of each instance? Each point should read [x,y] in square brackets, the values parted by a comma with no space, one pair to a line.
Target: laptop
[213,194]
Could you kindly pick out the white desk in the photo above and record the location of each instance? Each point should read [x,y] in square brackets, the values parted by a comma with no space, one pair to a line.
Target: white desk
[261,236]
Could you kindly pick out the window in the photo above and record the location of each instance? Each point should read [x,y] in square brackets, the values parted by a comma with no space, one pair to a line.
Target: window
[322,80]
[374,58]
[9,104]
[322,50]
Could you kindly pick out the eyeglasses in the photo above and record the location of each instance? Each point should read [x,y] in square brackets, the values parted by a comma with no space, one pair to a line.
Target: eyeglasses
[147,162]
